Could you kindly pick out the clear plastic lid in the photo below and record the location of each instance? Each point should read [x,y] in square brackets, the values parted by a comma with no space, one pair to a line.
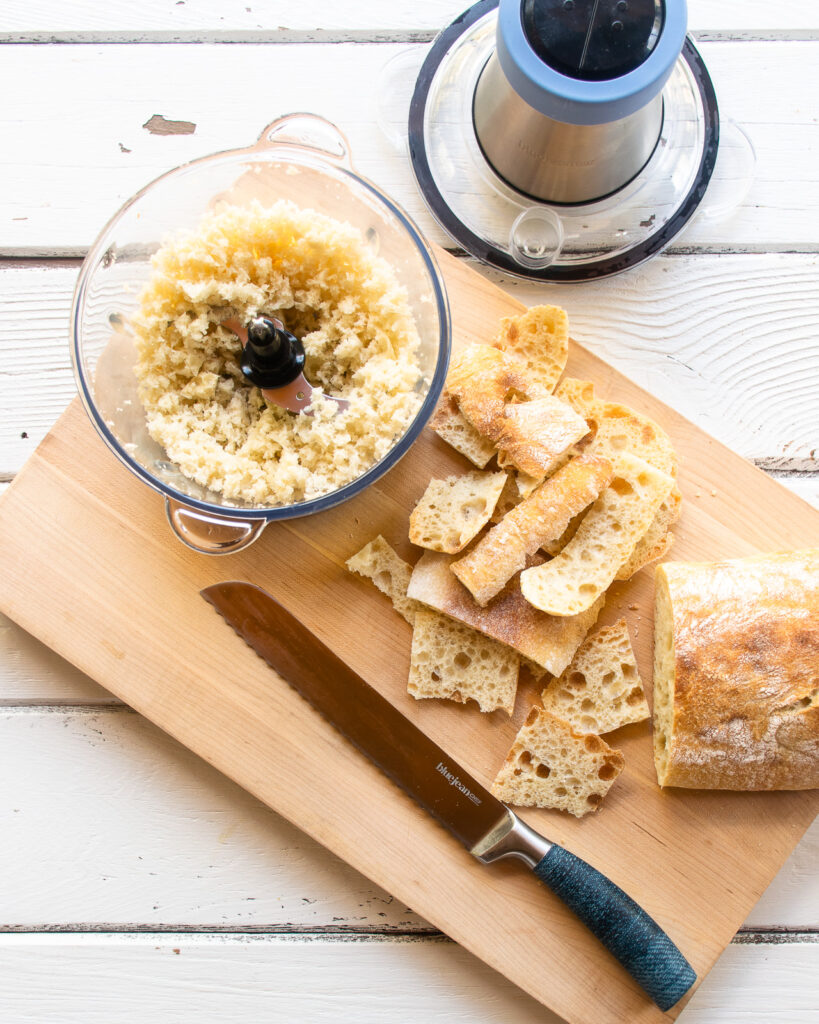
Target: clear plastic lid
[513,232]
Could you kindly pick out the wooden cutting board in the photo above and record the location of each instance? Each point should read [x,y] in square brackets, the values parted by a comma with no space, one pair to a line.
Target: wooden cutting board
[91,568]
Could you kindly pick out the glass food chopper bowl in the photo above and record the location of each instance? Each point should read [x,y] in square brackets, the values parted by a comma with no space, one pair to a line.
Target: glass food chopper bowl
[299,157]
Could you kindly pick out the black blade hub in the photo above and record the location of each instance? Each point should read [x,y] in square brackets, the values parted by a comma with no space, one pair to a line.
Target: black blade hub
[272,356]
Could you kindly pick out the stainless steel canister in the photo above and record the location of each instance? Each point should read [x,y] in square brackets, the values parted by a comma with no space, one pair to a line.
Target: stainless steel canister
[569,107]
[553,160]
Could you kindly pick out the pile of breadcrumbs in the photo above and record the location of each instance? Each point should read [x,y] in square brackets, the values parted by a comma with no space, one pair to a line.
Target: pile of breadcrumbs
[321,279]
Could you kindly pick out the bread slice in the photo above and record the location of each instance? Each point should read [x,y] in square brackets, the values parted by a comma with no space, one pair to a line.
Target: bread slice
[548,640]
[453,511]
[601,689]
[509,497]
[657,540]
[616,428]
[530,427]
[605,539]
[542,517]
[378,562]
[484,380]
[534,435]
[452,661]
[540,339]
[450,424]
[552,765]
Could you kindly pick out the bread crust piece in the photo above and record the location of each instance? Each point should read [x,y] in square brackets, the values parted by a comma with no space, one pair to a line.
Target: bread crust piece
[550,764]
[451,512]
[378,562]
[736,673]
[543,516]
[539,337]
[601,690]
[481,378]
[453,662]
[604,541]
[617,428]
[450,424]
[533,433]
[550,641]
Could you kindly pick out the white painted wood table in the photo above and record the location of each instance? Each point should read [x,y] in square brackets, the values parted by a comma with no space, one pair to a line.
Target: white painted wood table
[135,882]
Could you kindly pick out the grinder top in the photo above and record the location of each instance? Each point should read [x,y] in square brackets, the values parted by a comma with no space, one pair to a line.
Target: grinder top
[593,39]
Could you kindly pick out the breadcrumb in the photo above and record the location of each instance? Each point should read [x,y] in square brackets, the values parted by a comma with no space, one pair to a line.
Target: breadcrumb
[345,304]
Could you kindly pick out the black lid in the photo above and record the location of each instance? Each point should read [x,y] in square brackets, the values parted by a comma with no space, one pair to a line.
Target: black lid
[593,39]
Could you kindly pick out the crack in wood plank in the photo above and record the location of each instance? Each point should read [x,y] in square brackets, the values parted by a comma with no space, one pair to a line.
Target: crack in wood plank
[331,36]
[348,933]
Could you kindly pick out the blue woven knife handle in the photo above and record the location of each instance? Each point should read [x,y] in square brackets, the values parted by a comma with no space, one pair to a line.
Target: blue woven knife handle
[624,928]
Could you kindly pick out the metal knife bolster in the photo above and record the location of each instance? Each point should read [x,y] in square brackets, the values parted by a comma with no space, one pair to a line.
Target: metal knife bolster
[512,837]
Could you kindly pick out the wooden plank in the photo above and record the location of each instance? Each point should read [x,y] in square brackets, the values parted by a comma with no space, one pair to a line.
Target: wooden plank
[85,979]
[204,687]
[187,847]
[729,340]
[60,184]
[276,16]
[154,835]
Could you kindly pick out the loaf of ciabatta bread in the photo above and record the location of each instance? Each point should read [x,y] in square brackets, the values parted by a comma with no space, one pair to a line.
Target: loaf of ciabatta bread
[736,673]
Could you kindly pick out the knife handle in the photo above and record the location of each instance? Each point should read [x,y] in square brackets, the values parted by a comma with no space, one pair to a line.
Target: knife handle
[624,928]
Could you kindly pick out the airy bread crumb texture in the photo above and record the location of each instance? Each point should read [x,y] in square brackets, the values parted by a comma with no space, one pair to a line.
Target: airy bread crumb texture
[540,338]
[608,532]
[452,661]
[324,282]
[453,511]
[378,562]
[616,428]
[548,640]
[541,517]
[450,424]
[552,765]
[601,689]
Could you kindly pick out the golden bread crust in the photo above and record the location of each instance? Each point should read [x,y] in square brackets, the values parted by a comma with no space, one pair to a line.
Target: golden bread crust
[541,517]
[496,394]
[550,641]
[737,673]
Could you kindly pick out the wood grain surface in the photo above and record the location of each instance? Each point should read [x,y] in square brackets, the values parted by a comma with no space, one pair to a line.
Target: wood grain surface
[87,554]
[108,153]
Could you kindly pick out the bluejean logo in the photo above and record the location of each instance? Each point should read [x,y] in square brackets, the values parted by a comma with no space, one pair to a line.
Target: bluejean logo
[453,780]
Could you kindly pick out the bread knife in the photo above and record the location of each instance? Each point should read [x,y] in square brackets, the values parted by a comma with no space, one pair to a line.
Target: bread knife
[485,826]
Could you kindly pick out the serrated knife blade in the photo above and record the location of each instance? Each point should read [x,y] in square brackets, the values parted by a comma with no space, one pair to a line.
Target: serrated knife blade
[485,826]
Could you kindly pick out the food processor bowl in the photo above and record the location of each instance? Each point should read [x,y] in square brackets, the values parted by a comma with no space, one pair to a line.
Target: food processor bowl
[302,158]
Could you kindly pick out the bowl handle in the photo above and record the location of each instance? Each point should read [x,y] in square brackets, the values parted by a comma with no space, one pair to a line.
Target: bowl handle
[310,131]
[211,535]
